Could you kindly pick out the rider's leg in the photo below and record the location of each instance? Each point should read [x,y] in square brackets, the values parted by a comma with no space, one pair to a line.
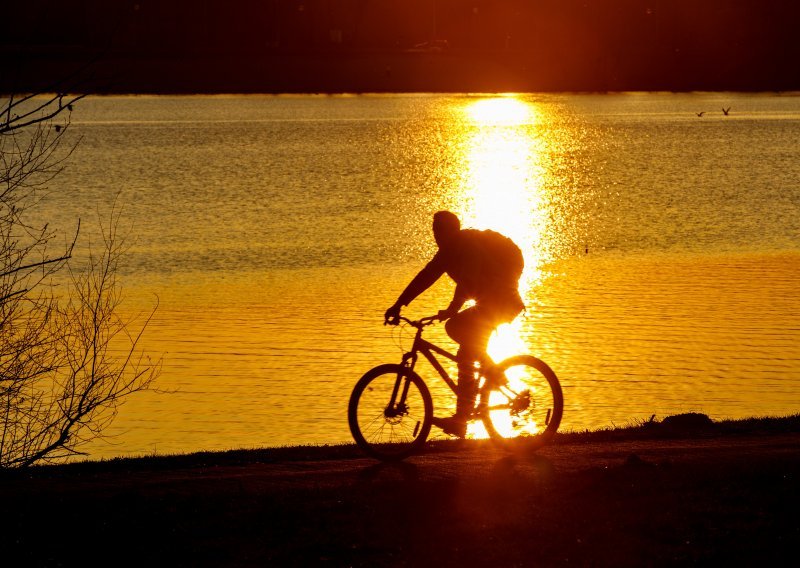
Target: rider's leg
[471,329]
[467,383]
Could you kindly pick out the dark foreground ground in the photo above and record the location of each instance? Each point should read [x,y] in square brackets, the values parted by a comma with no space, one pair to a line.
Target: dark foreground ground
[723,494]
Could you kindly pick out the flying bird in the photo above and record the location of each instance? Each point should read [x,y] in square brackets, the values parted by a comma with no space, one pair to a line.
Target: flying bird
[700,113]
[725,111]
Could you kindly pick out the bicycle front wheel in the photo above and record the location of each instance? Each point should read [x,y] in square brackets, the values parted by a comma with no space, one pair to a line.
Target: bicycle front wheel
[390,412]
[528,406]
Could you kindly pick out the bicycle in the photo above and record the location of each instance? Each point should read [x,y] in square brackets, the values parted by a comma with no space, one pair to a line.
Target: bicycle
[391,409]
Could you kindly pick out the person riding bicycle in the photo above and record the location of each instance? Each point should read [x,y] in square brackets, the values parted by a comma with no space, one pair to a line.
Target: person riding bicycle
[486,267]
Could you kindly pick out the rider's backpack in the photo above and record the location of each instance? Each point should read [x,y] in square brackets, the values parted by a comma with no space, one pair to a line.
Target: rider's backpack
[501,257]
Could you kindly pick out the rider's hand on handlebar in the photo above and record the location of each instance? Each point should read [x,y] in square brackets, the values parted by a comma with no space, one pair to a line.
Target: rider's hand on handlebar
[392,316]
[446,314]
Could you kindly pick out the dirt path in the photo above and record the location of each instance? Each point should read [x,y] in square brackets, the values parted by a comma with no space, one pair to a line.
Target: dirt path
[639,502]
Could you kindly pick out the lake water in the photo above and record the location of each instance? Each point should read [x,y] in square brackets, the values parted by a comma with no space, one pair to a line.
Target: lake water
[662,249]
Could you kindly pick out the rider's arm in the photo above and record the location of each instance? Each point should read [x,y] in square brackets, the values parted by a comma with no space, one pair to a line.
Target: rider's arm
[459,297]
[422,281]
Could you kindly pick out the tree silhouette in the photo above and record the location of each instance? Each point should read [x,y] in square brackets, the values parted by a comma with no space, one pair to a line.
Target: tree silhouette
[67,359]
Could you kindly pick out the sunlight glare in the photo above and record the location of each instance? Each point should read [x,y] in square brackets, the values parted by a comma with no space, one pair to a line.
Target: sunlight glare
[506,111]
[503,191]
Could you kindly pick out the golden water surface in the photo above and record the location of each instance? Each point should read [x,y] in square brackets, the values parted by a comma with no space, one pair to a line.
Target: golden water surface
[662,252]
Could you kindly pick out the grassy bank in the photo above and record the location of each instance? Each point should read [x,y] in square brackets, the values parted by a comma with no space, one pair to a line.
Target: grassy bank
[660,493]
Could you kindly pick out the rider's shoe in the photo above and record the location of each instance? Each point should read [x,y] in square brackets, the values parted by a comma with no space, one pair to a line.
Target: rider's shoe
[452,425]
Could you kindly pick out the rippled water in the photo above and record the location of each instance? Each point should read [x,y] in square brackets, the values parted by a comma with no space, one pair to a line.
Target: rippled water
[663,249]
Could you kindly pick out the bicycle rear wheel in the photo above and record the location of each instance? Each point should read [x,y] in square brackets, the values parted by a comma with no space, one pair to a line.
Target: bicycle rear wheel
[390,412]
[527,407]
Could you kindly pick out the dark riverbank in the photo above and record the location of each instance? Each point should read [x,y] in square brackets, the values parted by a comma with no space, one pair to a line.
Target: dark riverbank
[652,495]
[326,46]
[365,71]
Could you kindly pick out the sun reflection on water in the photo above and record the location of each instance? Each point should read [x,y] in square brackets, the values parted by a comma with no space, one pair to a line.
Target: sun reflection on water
[503,189]
[505,110]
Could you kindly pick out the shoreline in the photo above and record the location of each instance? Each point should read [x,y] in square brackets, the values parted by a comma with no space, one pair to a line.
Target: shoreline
[689,425]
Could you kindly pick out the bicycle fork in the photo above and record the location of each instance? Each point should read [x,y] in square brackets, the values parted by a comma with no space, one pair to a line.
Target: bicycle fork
[397,406]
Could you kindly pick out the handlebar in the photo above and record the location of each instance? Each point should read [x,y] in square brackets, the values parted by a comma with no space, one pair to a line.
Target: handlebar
[418,324]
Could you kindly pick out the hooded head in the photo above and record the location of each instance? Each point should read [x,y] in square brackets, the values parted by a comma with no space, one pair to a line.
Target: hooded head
[446,227]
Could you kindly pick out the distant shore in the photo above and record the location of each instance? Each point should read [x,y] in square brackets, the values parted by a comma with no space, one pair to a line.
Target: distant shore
[689,491]
[356,71]
[402,45]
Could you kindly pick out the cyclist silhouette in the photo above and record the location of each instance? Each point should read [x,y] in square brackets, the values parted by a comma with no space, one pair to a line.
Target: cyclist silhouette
[486,267]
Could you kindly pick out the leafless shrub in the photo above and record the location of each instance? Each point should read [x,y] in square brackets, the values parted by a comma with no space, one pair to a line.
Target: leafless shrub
[67,359]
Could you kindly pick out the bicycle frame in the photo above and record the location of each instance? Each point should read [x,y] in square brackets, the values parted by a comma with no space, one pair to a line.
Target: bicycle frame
[428,349]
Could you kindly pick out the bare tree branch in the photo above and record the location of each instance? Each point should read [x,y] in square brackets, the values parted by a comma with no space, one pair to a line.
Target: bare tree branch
[42,113]
[67,359]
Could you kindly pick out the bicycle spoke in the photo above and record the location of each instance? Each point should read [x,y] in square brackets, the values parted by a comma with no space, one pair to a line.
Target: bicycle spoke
[402,431]
[374,433]
[379,421]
